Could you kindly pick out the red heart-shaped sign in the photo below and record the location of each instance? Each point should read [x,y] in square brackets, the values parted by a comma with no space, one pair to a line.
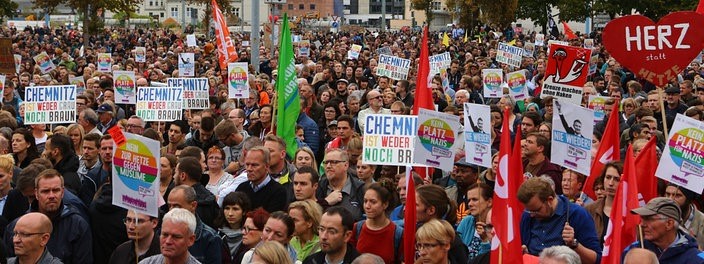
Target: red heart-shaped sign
[655,52]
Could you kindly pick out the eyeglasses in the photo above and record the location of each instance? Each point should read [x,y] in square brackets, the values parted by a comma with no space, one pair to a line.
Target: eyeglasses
[374,98]
[333,162]
[247,229]
[21,235]
[130,220]
[422,246]
[214,158]
[536,211]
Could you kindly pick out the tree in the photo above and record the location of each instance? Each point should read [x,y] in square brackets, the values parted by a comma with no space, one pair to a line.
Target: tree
[424,5]
[501,13]
[7,9]
[224,8]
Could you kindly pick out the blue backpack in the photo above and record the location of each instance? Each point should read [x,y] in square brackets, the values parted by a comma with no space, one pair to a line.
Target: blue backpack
[398,236]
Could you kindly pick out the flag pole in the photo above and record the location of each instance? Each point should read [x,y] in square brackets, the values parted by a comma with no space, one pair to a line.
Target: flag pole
[640,236]
[273,113]
[662,110]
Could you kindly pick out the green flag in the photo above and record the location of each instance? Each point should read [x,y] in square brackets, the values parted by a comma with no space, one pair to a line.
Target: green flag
[287,100]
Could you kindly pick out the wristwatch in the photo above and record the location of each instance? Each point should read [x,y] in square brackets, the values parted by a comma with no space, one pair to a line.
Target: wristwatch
[574,244]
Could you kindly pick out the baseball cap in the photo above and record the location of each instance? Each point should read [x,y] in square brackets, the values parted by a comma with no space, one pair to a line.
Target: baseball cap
[333,123]
[463,163]
[342,80]
[660,205]
[672,89]
[104,108]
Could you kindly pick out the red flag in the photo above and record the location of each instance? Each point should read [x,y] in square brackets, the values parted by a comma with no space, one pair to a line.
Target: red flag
[568,31]
[226,50]
[506,244]
[423,98]
[646,165]
[621,231]
[409,220]
[700,7]
[608,150]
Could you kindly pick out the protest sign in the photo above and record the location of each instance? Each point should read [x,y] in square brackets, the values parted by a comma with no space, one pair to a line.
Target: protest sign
[104,62]
[509,54]
[44,62]
[386,50]
[656,52]
[135,173]
[517,84]
[159,103]
[597,104]
[389,139]
[124,84]
[572,136]
[2,83]
[540,40]
[317,44]
[186,65]
[191,40]
[18,62]
[237,80]
[50,104]
[589,43]
[439,62]
[393,67]
[245,43]
[437,139]
[593,62]
[79,83]
[529,50]
[140,54]
[566,72]
[682,160]
[304,48]
[492,80]
[477,134]
[7,59]
[195,91]
[354,52]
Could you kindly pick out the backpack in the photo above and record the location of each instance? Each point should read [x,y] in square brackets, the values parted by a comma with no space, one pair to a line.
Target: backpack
[398,236]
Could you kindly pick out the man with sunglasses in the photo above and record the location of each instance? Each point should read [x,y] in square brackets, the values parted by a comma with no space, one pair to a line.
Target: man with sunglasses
[376,106]
[660,220]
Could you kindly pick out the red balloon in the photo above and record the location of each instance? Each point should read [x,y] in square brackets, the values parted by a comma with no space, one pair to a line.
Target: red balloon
[655,52]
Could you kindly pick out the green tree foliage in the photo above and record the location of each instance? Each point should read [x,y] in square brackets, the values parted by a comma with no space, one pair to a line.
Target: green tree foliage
[424,5]
[7,9]
[500,13]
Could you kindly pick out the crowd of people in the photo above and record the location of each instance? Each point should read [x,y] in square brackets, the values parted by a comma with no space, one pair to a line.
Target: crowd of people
[233,195]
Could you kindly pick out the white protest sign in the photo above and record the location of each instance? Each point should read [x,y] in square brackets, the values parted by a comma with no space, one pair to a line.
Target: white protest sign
[682,160]
[140,54]
[572,136]
[540,40]
[237,80]
[186,65]
[386,50]
[477,134]
[44,62]
[304,48]
[195,91]
[389,139]
[393,67]
[79,83]
[104,62]
[492,80]
[124,83]
[529,50]
[159,103]
[509,55]
[50,104]
[135,173]
[439,62]
[191,40]
[597,104]
[354,52]
[517,84]
[437,139]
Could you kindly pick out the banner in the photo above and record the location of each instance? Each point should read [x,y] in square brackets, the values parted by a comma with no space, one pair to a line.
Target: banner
[389,139]
[44,62]
[186,65]
[492,80]
[393,67]
[572,136]
[517,85]
[140,54]
[124,84]
[50,104]
[682,160]
[509,55]
[237,80]
[597,104]
[191,40]
[386,50]
[353,54]
[437,135]
[477,134]
[104,62]
[226,50]
[135,173]
[7,59]
[79,83]
[439,62]
[195,91]
[566,72]
[159,103]
[18,62]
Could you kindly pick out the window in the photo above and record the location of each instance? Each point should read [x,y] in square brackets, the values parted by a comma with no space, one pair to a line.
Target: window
[151,3]
[312,6]
[161,14]
[436,5]
[290,6]
[301,6]
[174,11]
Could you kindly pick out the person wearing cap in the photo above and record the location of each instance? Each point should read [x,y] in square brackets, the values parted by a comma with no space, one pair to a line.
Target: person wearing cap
[341,85]
[106,118]
[463,175]
[660,221]
[693,219]
[673,104]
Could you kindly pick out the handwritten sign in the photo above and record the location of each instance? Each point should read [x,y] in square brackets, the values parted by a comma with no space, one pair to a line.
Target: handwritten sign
[159,103]
[237,80]
[509,54]
[682,160]
[195,91]
[389,139]
[572,136]
[393,67]
[135,173]
[50,104]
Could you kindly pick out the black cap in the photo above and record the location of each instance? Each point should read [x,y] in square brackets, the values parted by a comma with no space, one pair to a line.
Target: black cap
[104,108]
[672,89]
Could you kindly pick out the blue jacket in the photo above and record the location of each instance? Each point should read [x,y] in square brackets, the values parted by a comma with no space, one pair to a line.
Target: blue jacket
[683,251]
[310,131]
[208,248]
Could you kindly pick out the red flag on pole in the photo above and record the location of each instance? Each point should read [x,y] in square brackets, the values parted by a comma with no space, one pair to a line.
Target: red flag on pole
[423,97]
[568,31]
[621,231]
[226,50]
[700,7]
[409,220]
[608,150]
[646,165]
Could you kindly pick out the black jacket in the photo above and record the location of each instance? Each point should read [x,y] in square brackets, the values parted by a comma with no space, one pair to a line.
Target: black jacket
[319,257]
[353,201]
[205,146]
[68,167]
[106,224]
[207,208]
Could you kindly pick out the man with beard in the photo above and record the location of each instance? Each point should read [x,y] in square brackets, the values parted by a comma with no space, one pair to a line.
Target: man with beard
[694,219]
[335,230]
[71,239]
[59,151]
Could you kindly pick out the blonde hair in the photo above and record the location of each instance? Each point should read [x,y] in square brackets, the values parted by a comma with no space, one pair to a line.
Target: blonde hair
[313,163]
[80,132]
[311,211]
[272,253]
[438,230]
[7,162]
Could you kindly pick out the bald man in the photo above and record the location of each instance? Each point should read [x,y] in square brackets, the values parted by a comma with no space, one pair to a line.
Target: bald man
[31,235]
[640,256]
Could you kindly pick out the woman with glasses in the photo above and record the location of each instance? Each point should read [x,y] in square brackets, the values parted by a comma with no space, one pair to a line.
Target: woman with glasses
[219,179]
[600,210]
[545,129]
[251,232]
[378,234]
[230,221]
[433,242]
